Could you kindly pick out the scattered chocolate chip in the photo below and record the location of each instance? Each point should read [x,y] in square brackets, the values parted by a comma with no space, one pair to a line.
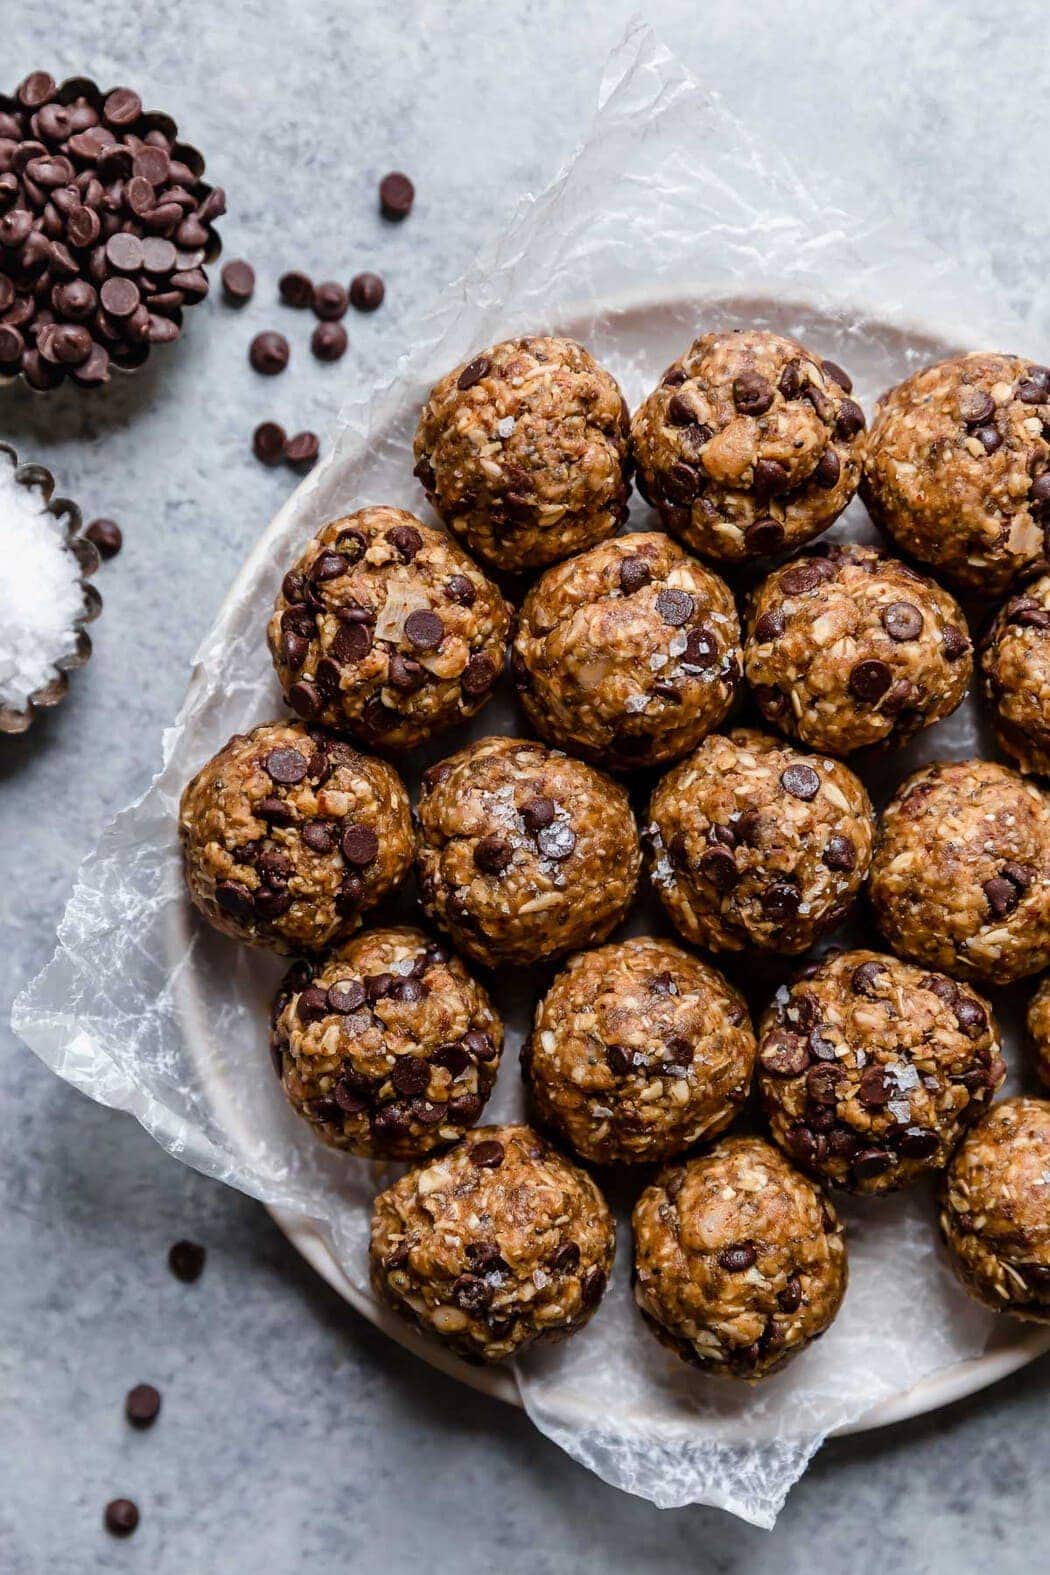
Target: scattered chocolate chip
[954,642]
[538,813]
[990,439]
[800,780]
[329,300]
[683,483]
[473,372]
[701,650]
[902,621]
[634,574]
[805,576]
[366,292]
[566,1257]
[738,1258]
[976,407]
[479,675]
[378,986]
[410,1075]
[592,1287]
[492,855]
[789,1300]
[142,1405]
[360,846]
[346,995]
[1003,896]
[460,589]
[752,394]
[268,442]
[764,536]
[238,281]
[106,535]
[874,1088]
[556,841]
[864,978]
[121,1517]
[780,901]
[837,375]
[286,766]
[1035,388]
[424,630]
[268,353]
[849,421]
[719,866]
[871,1162]
[328,341]
[487,1155]
[840,853]
[406,539]
[828,469]
[674,607]
[869,680]
[186,1261]
[396,195]
[823,1082]
[296,289]
[770,626]
[918,1143]
[301,450]
[234,899]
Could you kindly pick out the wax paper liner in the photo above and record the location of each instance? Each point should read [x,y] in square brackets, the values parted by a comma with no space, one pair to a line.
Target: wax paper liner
[143,1010]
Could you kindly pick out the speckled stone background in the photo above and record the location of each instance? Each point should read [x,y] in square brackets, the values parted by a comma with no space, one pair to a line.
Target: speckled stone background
[292,1435]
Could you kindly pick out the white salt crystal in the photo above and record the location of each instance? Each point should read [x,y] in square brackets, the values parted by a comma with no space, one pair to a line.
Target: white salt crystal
[40,591]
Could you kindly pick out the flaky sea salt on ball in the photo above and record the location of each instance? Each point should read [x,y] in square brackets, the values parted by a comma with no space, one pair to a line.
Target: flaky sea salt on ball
[41,594]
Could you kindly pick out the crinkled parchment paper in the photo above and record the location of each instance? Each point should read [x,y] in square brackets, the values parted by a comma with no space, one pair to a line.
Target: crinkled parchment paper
[668,218]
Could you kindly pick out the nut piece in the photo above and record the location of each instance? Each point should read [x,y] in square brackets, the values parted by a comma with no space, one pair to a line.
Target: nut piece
[523,452]
[494,1246]
[752,843]
[961,874]
[386,629]
[629,654]
[1015,676]
[871,1070]
[1038,1026]
[749,445]
[957,469]
[846,648]
[638,1050]
[994,1216]
[288,835]
[740,1260]
[386,1046]
[524,853]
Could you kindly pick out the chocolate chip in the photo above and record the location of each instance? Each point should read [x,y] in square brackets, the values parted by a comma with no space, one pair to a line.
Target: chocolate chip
[142,1405]
[346,995]
[296,289]
[479,1045]
[556,841]
[1034,389]
[976,407]
[348,1099]
[634,574]
[828,469]
[304,699]
[917,1143]
[360,846]
[106,535]
[738,1258]
[864,978]
[348,897]
[770,626]
[869,680]
[592,1287]
[874,1089]
[832,370]
[784,1055]
[119,297]
[406,540]
[954,643]
[538,813]
[800,780]
[424,630]
[902,621]
[479,675]
[566,1258]
[764,536]
[473,372]
[121,1517]
[238,279]
[719,867]
[769,477]
[378,986]
[492,855]
[410,1075]
[329,300]
[849,421]
[286,766]
[791,384]
[460,589]
[683,483]
[186,1261]
[268,442]
[780,901]
[823,1082]
[396,195]
[301,450]
[487,1155]
[234,899]
[404,675]
[328,341]
[805,576]
[701,650]
[840,853]
[789,1300]
[268,353]
[366,292]
[674,607]
[1003,896]
[871,1162]
[752,394]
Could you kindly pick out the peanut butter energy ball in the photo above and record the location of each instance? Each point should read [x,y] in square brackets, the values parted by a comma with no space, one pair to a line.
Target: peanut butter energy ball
[288,835]
[524,852]
[961,874]
[1038,1025]
[638,1050]
[958,469]
[386,629]
[995,1217]
[750,445]
[1015,677]
[740,1259]
[754,844]
[847,647]
[386,1045]
[523,452]
[629,654]
[871,1069]
[494,1246]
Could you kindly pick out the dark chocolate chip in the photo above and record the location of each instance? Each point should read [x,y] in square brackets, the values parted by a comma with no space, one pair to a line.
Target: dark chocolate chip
[976,406]
[828,469]
[869,680]
[752,394]
[1003,896]
[780,901]
[406,540]
[874,1089]
[487,1155]
[769,477]
[186,1261]
[301,449]
[917,1143]
[329,341]
[330,300]
[954,643]
[106,535]
[479,675]
[296,289]
[492,855]
[871,1162]
[234,899]
[268,353]
[346,995]
[286,766]
[238,280]
[864,978]
[837,375]
[674,607]
[764,536]
[366,292]
[800,780]
[537,813]
[460,589]
[770,626]
[142,1405]
[592,1287]
[738,1258]
[424,630]
[789,1300]
[360,846]
[849,421]
[473,372]
[634,574]
[902,621]
[840,853]
[121,1517]
[396,195]
[410,1075]
[719,866]
[268,442]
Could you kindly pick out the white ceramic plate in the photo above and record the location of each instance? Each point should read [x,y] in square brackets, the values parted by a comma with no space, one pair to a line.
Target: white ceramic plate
[636,339]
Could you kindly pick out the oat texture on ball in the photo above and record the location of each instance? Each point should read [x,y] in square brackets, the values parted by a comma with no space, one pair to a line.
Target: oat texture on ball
[494,1246]
[754,844]
[524,853]
[638,1050]
[872,1069]
[847,648]
[628,654]
[994,1216]
[960,879]
[288,835]
[384,628]
[958,469]
[386,1045]
[750,445]
[740,1260]
[523,452]
[1037,1025]
[1015,677]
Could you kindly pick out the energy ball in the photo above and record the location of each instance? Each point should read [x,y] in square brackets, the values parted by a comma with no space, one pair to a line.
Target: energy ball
[846,648]
[750,445]
[386,629]
[1015,677]
[740,1260]
[1038,1025]
[958,469]
[494,1246]
[386,1046]
[638,1050]
[524,853]
[994,1215]
[523,452]
[961,874]
[288,835]
[629,654]
[871,1069]
[753,844]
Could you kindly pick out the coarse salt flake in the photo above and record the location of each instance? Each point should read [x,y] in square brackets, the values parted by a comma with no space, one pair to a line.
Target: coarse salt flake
[40,592]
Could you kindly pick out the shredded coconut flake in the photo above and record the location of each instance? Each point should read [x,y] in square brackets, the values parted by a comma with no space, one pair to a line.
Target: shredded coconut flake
[40,593]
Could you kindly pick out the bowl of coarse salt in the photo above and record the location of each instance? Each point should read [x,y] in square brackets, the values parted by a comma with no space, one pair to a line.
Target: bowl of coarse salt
[45,598]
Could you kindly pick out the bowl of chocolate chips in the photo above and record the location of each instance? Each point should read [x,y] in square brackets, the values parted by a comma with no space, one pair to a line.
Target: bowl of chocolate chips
[106,225]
